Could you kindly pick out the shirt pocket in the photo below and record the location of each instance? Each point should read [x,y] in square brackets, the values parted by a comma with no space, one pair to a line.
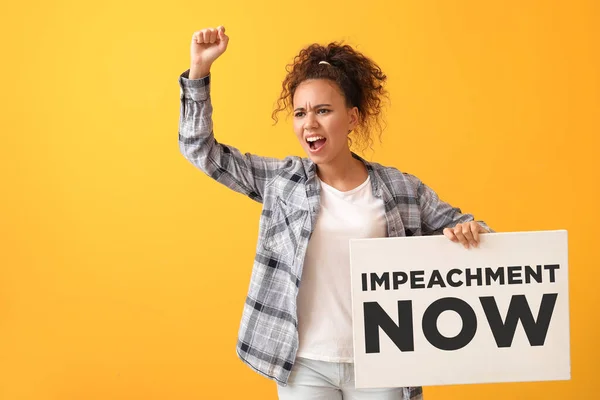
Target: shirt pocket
[283,233]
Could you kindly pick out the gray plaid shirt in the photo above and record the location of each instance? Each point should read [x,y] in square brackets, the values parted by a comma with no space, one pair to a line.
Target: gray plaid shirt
[289,192]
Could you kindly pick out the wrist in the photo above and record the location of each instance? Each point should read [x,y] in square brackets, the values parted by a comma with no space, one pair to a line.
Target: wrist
[199,71]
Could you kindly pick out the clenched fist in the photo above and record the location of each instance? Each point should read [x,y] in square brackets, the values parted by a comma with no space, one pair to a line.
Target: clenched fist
[207,45]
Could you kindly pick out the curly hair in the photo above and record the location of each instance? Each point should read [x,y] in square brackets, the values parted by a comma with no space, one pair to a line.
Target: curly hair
[358,77]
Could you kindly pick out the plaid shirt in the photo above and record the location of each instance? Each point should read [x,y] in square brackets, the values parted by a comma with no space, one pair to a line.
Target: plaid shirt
[289,192]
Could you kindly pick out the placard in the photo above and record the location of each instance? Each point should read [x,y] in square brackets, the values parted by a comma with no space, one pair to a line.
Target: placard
[427,311]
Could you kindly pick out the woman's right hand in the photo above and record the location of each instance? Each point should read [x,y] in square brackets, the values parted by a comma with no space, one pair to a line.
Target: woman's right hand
[207,45]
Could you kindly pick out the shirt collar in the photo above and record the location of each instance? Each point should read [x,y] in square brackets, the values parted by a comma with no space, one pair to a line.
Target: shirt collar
[311,173]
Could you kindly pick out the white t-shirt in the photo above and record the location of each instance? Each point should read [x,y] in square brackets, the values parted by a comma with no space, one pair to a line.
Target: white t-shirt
[324,299]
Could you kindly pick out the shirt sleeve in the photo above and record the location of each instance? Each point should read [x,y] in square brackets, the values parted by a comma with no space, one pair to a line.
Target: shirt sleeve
[437,214]
[245,173]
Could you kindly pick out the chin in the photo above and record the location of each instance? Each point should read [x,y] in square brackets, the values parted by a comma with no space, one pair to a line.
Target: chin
[319,159]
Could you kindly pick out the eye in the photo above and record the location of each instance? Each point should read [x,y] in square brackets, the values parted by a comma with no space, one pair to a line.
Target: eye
[325,111]
[299,114]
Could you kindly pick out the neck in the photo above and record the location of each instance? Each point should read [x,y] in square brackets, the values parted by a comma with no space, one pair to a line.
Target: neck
[344,172]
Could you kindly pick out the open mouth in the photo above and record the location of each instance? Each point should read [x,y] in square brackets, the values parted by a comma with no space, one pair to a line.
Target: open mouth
[316,143]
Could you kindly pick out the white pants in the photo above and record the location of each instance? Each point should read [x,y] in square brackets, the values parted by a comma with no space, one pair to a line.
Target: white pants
[320,380]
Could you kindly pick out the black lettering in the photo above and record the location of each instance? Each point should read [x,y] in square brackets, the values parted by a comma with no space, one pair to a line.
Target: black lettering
[469,321]
[365,285]
[401,334]
[518,309]
[477,276]
[436,279]
[399,278]
[537,274]
[490,275]
[551,269]
[514,275]
[416,282]
[452,282]
[376,280]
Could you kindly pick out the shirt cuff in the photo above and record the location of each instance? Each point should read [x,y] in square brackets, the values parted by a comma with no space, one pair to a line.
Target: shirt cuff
[194,89]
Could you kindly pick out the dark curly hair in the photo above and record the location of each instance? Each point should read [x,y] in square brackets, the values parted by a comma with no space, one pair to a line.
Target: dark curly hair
[358,77]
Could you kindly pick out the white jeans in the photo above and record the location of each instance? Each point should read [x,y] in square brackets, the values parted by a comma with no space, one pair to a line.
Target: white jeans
[320,380]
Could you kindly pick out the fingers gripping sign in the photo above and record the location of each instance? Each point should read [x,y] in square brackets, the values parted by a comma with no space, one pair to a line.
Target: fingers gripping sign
[466,233]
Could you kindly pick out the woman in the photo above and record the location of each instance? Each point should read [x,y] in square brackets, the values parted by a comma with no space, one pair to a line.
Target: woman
[300,335]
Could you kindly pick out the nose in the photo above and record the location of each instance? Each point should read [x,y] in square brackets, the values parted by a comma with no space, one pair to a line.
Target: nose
[310,122]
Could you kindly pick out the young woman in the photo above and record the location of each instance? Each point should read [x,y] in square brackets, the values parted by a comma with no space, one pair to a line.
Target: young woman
[296,326]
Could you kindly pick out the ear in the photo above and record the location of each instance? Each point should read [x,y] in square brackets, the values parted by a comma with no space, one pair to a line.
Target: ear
[353,117]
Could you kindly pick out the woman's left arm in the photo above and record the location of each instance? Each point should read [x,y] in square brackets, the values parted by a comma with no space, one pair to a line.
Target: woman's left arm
[439,217]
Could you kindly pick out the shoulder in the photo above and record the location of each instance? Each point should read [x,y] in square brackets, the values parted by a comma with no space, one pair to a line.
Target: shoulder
[294,166]
[397,180]
[287,166]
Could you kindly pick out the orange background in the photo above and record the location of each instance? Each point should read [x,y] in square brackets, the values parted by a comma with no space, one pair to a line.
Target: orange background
[124,269]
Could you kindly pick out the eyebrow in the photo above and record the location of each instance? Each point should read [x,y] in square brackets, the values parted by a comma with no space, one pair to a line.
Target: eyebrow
[317,106]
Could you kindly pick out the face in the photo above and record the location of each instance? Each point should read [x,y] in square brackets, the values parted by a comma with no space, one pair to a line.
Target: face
[322,120]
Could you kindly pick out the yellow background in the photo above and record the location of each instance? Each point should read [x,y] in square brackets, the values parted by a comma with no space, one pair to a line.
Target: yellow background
[124,269]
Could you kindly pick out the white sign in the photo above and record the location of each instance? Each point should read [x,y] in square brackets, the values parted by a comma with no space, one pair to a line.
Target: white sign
[427,311]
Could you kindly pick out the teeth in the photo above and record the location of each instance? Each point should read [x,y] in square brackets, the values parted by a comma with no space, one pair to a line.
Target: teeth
[314,138]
